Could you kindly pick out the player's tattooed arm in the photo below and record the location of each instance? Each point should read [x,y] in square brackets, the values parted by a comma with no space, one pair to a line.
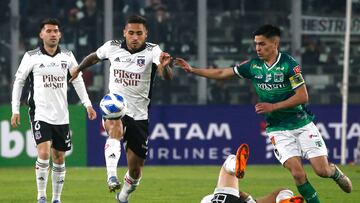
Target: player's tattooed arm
[88,61]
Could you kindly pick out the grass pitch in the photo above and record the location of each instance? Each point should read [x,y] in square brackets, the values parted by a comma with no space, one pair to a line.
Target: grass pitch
[168,184]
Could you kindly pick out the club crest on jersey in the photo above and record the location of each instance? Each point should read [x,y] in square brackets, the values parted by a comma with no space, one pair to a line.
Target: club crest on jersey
[141,61]
[63,65]
[278,77]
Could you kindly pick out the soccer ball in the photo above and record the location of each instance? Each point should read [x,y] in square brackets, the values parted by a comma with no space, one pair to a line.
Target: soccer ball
[113,106]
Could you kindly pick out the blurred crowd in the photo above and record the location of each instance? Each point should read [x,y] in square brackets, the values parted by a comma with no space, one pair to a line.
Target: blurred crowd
[173,25]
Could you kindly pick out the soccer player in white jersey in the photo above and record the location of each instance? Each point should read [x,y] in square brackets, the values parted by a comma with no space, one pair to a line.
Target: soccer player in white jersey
[47,69]
[277,79]
[133,66]
[227,188]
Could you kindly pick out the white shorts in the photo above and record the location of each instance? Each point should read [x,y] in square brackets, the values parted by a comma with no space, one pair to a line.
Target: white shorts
[305,142]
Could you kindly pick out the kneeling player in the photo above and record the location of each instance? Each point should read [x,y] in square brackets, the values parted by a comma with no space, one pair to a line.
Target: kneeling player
[227,189]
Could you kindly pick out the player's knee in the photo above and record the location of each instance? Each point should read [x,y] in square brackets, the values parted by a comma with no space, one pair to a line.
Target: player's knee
[116,132]
[44,154]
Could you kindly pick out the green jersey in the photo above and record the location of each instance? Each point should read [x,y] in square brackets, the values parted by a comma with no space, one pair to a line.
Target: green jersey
[274,84]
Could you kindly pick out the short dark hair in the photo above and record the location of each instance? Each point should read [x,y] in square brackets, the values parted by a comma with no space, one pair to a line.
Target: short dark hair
[137,19]
[49,21]
[268,31]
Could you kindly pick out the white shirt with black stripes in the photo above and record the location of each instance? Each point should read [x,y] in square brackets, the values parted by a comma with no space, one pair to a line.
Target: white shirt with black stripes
[132,74]
[48,77]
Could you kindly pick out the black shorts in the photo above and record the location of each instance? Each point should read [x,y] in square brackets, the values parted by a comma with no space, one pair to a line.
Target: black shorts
[226,198]
[59,135]
[136,135]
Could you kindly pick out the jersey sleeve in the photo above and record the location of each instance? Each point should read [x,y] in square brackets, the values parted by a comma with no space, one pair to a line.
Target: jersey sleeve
[103,51]
[22,73]
[156,54]
[243,69]
[73,61]
[295,77]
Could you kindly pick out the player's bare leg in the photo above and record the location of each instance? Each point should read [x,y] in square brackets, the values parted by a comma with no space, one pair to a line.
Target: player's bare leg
[58,174]
[132,176]
[325,169]
[112,151]
[294,165]
[42,169]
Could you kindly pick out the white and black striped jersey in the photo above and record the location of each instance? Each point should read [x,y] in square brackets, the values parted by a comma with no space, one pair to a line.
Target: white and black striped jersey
[132,74]
[48,76]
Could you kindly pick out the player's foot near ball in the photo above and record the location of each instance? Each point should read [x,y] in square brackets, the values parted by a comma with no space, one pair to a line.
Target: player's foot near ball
[56,201]
[113,184]
[242,155]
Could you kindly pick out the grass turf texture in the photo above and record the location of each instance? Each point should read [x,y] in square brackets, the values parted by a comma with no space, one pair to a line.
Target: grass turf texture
[170,184]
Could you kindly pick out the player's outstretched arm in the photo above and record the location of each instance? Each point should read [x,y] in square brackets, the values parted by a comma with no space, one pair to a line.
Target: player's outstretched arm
[88,61]
[164,69]
[218,73]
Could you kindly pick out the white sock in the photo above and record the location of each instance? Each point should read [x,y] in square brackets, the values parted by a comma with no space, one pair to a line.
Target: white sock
[58,179]
[112,156]
[284,194]
[129,186]
[229,164]
[41,172]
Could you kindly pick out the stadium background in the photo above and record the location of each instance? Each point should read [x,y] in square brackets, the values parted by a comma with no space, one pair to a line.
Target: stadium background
[194,121]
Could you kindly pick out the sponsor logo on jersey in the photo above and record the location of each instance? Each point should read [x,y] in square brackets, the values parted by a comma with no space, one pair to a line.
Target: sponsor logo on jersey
[297,69]
[52,81]
[126,78]
[117,59]
[268,77]
[41,66]
[267,86]
[258,76]
[255,66]
[278,77]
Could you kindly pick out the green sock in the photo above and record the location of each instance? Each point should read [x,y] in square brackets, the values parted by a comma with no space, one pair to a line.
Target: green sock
[336,175]
[308,192]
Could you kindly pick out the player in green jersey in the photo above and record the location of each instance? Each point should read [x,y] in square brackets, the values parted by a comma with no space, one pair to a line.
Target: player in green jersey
[282,93]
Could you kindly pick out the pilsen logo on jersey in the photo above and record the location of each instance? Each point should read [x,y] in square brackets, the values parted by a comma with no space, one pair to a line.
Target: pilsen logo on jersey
[127,78]
[140,61]
[52,81]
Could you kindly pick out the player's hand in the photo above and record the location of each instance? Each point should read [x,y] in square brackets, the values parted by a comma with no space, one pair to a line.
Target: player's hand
[183,64]
[15,120]
[91,113]
[264,107]
[165,59]
[74,72]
